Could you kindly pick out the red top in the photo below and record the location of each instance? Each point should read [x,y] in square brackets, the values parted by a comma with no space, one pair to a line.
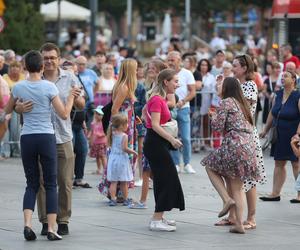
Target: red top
[282,7]
[293,59]
[157,104]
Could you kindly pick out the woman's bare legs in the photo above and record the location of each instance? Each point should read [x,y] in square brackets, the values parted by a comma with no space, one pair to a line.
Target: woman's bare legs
[145,186]
[278,178]
[237,191]
[140,156]
[219,185]
[50,217]
[251,205]
[231,216]
[296,168]
[51,222]
[27,217]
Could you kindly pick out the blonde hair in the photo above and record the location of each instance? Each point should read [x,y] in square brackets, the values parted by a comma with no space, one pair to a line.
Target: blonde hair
[159,66]
[117,121]
[159,88]
[127,75]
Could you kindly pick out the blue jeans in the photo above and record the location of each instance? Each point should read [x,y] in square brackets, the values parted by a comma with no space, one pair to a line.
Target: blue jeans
[80,150]
[41,148]
[184,128]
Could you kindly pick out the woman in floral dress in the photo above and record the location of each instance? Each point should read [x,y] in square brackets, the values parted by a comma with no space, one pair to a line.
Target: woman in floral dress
[235,160]
[123,99]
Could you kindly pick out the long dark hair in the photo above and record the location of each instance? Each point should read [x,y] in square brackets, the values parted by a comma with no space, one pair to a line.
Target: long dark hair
[232,88]
[209,66]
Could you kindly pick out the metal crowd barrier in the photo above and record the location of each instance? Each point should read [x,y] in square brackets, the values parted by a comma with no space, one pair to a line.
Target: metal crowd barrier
[202,136]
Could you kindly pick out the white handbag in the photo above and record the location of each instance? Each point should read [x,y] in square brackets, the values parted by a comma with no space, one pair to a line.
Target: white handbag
[171,127]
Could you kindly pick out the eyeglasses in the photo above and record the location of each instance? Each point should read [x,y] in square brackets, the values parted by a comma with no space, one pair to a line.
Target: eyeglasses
[51,58]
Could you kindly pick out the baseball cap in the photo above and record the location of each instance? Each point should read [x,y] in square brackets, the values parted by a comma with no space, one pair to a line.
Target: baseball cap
[220,51]
[99,110]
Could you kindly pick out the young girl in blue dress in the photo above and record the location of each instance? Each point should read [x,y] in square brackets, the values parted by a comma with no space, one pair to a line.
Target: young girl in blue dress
[118,167]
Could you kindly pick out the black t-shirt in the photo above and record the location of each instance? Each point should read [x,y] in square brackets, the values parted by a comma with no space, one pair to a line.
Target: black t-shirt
[196,101]
[77,116]
[267,82]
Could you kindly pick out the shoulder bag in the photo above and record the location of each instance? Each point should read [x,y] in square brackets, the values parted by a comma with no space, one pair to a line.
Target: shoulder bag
[171,127]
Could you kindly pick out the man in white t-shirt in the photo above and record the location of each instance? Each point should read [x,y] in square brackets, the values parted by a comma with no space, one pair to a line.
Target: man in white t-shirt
[186,92]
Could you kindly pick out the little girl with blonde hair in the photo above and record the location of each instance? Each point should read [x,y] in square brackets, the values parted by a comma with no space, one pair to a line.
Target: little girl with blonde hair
[118,167]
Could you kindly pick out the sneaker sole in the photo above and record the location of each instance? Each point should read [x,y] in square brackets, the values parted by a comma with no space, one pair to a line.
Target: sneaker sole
[162,230]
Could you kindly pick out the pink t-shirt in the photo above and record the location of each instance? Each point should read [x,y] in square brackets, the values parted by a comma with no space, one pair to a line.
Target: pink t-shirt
[157,104]
[99,136]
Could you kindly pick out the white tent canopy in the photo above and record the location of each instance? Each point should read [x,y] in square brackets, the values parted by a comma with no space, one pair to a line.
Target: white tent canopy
[68,11]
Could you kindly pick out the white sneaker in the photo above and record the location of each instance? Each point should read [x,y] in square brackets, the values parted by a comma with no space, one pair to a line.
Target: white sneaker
[178,168]
[169,222]
[189,169]
[159,225]
[138,183]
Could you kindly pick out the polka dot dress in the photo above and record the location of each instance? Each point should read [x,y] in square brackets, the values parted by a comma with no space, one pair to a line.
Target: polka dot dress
[250,92]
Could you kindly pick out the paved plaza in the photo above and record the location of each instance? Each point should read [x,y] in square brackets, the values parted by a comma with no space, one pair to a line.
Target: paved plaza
[94,225]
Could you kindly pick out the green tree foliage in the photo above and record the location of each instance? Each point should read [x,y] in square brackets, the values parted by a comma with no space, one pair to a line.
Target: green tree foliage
[24,27]
[202,7]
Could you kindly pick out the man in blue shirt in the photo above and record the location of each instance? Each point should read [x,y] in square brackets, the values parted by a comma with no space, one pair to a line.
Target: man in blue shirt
[88,79]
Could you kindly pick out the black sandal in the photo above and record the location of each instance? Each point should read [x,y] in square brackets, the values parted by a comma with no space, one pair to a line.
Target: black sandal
[83,185]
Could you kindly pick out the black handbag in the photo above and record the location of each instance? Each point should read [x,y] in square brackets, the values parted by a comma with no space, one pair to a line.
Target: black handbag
[106,117]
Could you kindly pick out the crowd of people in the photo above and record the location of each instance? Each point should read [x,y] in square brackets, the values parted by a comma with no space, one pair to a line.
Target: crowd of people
[148,117]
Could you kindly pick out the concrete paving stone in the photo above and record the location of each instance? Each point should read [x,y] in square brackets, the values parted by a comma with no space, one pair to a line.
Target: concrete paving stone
[94,225]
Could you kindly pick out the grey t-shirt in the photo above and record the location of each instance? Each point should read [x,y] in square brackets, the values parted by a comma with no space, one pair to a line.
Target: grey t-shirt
[63,128]
[41,93]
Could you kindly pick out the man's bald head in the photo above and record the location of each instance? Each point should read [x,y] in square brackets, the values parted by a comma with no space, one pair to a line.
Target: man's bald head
[81,62]
[290,66]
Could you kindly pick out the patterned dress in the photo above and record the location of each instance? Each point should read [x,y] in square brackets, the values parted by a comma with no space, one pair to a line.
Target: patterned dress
[236,156]
[250,92]
[126,108]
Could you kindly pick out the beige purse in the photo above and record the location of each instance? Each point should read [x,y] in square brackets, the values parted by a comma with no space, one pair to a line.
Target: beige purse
[171,127]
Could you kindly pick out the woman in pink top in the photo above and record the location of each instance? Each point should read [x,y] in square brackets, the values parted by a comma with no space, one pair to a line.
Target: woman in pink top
[167,188]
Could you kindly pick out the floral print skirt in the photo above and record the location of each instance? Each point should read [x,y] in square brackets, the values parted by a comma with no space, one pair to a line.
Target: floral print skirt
[236,158]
